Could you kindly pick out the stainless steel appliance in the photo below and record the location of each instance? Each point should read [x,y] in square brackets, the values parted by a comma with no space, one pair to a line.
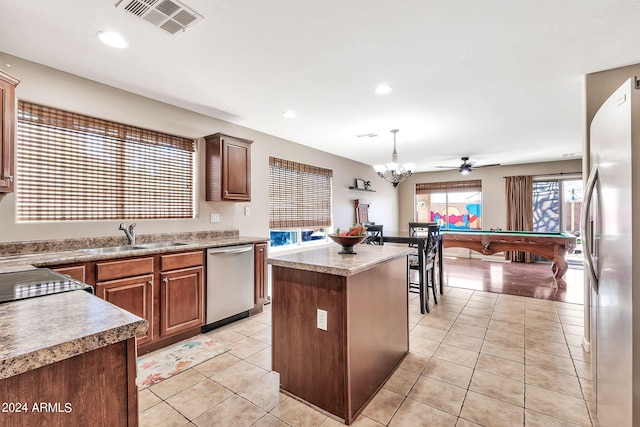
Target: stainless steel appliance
[610,212]
[230,284]
[19,285]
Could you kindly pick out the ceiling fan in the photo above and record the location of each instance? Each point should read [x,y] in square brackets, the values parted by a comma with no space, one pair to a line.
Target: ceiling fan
[467,167]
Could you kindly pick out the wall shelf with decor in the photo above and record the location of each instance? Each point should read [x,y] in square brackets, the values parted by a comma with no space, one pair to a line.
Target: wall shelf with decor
[351,187]
[362,185]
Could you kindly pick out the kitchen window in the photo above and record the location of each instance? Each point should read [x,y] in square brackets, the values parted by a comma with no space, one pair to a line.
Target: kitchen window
[72,167]
[299,203]
[454,205]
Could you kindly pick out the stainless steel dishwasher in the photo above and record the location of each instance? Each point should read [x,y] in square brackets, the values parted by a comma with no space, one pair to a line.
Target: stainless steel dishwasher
[230,284]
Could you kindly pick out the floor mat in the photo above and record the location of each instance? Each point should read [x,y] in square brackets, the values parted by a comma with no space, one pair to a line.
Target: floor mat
[164,363]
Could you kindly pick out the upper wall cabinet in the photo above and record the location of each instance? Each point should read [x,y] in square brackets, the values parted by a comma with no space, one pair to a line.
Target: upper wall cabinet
[228,169]
[7,130]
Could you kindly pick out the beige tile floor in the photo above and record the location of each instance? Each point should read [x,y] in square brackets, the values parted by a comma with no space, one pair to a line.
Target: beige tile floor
[477,359]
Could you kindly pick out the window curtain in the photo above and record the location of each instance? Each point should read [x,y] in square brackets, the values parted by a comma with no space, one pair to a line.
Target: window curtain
[519,192]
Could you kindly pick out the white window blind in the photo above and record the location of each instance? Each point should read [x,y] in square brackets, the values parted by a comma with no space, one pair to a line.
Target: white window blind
[74,167]
[299,195]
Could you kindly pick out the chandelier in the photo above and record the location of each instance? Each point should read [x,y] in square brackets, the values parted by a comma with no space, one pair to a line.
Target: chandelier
[395,172]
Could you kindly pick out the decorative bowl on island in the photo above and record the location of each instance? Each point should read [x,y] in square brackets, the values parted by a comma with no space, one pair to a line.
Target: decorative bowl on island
[347,243]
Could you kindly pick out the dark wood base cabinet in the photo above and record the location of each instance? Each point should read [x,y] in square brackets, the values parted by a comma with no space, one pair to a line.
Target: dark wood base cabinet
[129,284]
[134,294]
[97,388]
[165,289]
[260,278]
[339,370]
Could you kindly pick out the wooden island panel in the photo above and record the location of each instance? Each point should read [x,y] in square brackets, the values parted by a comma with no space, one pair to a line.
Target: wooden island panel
[339,370]
[97,388]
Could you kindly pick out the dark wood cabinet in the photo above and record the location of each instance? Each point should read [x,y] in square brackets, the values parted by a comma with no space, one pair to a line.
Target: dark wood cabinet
[77,272]
[129,284]
[7,131]
[181,292]
[228,168]
[181,300]
[97,388]
[260,270]
[167,289]
[134,294]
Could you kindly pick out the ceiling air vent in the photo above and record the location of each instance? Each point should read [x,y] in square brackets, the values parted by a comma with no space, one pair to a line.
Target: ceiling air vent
[168,15]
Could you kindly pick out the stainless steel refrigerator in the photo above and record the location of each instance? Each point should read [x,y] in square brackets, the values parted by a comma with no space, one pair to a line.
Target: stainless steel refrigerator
[612,256]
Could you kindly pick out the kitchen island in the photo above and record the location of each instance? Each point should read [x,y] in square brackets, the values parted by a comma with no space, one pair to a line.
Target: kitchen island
[339,324]
[68,359]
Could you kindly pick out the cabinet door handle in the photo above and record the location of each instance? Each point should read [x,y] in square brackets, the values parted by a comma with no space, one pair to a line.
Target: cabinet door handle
[166,280]
[151,283]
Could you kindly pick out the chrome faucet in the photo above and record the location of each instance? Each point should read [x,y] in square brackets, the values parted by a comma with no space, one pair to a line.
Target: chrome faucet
[131,234]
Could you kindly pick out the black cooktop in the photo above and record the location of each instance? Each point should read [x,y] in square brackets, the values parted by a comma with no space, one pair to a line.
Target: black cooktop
[18,285]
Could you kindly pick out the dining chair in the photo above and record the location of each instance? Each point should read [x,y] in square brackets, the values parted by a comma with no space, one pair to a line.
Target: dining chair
[429,256]
[418,227]
[374,235]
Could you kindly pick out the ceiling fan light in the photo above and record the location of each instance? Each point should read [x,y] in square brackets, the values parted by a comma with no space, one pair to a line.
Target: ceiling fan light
[465,169]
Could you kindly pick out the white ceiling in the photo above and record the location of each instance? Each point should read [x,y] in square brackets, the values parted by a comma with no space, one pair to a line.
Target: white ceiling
[499,81]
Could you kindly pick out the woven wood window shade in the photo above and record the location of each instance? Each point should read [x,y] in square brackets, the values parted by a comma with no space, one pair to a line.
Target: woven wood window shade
[74,167]
[449,187]
[299,195]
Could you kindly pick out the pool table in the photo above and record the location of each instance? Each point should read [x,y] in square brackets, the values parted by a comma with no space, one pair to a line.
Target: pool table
[552,246]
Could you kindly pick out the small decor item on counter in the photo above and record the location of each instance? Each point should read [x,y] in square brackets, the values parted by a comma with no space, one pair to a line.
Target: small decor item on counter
[348,239]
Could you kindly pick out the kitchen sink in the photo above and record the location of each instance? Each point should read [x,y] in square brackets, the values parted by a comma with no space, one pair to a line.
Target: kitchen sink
[111,249]
[122,248]
[156,245]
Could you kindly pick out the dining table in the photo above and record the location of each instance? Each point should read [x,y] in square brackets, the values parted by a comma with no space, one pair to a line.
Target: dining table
[419,240]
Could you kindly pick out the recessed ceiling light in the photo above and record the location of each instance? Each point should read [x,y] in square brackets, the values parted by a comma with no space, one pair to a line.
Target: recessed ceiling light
[112,39]
[383,89]
[289,114]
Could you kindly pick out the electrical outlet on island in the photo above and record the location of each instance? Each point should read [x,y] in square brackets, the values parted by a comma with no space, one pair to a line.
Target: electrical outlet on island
[322,319]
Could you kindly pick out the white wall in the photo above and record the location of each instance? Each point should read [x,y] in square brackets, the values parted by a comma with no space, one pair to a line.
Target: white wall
[55,88]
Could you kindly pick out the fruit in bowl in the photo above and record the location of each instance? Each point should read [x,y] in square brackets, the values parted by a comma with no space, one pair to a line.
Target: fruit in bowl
[348,239]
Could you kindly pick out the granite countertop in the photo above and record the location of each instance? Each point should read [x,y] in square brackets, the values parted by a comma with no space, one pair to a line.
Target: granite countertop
[26,261]
[328,260]
[76,322]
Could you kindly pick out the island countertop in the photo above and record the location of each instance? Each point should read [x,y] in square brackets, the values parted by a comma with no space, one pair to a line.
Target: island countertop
[328,260]
[39,331]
